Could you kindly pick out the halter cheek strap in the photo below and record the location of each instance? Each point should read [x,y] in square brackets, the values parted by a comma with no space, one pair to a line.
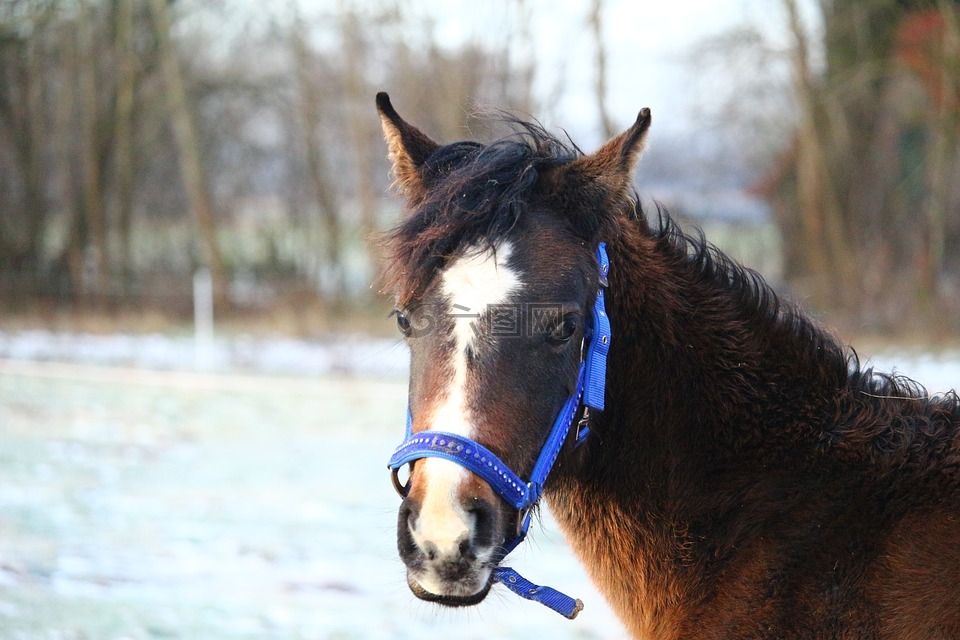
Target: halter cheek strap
[523,495]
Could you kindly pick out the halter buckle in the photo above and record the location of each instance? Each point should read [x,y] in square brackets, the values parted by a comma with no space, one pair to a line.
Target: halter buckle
[583,425]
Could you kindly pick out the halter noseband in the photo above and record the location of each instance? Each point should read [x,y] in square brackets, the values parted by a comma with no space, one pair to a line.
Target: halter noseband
[523,495]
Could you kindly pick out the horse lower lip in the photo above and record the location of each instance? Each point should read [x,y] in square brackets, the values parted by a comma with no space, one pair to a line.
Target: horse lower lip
[449,601]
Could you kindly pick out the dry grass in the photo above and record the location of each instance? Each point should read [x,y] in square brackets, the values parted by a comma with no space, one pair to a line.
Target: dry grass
[296,317]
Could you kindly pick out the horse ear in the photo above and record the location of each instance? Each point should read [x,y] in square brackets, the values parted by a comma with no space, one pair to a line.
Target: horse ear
[593,186]
[408,147]
[613,163]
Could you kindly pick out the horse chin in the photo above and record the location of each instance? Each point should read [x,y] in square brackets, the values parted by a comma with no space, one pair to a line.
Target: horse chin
[451,599]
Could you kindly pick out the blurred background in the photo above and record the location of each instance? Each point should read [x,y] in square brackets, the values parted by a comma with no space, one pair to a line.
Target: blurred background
[198,384]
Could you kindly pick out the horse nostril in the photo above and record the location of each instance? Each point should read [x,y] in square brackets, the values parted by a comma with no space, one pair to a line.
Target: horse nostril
[484,522]
[466,550]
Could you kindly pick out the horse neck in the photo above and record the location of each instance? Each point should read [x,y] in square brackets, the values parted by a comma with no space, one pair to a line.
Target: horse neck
[687,371]
[694,355]
[723,412]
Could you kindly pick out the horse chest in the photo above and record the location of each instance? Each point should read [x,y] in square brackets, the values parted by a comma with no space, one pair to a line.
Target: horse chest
[631,567]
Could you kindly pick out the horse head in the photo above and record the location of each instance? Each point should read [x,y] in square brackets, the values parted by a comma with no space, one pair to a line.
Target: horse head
[495,273]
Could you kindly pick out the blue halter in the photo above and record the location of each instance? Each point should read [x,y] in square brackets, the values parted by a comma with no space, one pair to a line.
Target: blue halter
[523,495]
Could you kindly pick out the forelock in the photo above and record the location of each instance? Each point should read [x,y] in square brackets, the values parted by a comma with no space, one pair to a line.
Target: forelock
[475,195]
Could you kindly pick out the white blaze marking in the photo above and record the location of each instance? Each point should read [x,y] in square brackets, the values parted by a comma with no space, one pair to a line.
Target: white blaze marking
[474,282]
[471,284]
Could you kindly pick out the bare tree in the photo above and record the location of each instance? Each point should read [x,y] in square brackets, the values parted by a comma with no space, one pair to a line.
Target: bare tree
[123,132]
[600,68]
[88,111]
[107,134]
[943,153]
[830,257]
[191,163]
[71,255]
[362,135]
[309,99]
[23,106]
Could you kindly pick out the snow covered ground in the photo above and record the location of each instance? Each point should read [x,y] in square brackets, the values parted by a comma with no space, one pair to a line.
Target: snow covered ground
[139,503]
[247,499]
[335,354]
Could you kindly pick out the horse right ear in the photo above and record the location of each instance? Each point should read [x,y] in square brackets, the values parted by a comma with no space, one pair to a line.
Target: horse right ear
[408,148]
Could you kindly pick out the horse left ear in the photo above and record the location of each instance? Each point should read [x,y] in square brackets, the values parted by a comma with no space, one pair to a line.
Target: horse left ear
[597,183]
[408,148]
[613,163]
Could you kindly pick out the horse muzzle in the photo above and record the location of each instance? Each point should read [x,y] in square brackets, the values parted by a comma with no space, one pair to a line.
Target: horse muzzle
[450,600]
[450,541]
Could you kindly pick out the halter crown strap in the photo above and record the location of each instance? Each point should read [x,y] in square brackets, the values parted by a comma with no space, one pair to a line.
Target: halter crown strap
[600,341]
[590,388]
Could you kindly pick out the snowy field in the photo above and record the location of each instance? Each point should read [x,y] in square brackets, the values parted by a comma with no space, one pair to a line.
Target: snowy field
[137,501]
[140,503]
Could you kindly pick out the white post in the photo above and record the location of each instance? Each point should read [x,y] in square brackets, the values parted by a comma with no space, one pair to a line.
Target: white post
[202,318]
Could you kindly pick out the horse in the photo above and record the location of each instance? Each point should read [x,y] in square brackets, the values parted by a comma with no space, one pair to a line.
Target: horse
[747,477]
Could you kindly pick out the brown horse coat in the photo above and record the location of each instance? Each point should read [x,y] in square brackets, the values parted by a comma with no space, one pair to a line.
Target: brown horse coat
[748,478]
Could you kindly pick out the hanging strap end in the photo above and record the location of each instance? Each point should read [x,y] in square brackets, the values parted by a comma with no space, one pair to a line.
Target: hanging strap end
[549,597]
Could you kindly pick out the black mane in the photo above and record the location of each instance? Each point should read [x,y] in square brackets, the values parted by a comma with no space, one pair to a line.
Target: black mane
[883,414]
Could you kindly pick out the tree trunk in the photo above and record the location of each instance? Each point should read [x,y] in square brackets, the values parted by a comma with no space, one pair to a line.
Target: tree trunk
[943,148]
[123,132]
[308,103]
[361,137]
[92,183]
[188,147]
[22,109]
[71,258]
[36,199]
[600,88]
[831,259]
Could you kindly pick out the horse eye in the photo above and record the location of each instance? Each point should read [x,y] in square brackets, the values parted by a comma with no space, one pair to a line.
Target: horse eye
[403,324]
[564,330]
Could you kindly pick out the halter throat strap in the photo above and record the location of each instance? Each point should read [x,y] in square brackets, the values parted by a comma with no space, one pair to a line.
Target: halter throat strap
[523,495]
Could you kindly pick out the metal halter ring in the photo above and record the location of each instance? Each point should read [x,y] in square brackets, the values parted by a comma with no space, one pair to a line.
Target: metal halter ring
[402,489]
[521,517]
